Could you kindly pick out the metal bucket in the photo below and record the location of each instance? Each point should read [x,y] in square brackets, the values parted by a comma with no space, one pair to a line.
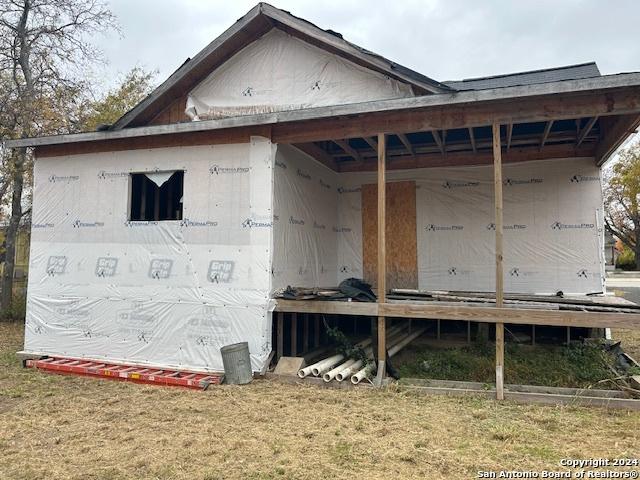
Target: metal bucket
[237,363]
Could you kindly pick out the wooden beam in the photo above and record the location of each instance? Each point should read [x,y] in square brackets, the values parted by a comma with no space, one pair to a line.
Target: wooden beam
[294,335]
[613,134]
[466,312]
[545,134]
[509,135]
[436,137]
[280,336]
[497,185]
[427,160]
[405,141]
[372,143]
[344,145]
[382,264]
[585,131]
[473,140]
[318,153]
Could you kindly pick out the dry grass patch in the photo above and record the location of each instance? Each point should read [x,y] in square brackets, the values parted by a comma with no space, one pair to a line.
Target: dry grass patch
[71,427]
[630,341]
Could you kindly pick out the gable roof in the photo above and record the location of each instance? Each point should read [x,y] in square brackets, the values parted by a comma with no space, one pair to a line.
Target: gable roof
[558,74]
[259,20]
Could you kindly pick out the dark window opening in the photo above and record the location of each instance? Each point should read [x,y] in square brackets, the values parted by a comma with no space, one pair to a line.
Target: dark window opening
[156,196]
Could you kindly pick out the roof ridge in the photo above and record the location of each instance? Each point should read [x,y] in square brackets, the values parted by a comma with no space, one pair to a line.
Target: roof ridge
[512,74]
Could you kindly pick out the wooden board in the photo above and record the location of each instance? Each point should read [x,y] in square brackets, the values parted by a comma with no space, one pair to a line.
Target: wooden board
[400,233]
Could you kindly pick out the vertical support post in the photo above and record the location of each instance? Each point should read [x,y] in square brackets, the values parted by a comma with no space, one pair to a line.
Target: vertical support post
[382,266]
[305,333]
[280,336]
[568,336]
[468,332]
[533,334]
[316,330]
[294,335]
[438,329]
[497,184]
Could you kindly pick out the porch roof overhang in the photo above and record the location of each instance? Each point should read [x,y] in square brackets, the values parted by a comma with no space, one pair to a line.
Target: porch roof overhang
[614,96]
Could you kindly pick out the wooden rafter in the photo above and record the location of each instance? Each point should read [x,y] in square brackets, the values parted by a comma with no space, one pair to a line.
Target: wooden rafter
[436,137]
[509,135]
[405,141]
[318,153]
[344,145]
[473,140]
[372,143]
[545,134]
[585,131]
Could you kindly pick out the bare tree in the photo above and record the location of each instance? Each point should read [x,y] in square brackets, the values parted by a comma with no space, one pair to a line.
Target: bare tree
[44,53]
[622,199]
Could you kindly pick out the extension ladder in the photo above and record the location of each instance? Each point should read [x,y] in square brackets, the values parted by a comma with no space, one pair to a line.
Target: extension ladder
[128,373]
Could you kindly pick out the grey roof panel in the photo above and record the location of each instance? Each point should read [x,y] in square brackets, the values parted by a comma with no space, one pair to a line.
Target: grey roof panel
[570,72]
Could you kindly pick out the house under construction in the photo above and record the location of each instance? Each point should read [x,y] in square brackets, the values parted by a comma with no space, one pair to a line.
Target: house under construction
[260,164]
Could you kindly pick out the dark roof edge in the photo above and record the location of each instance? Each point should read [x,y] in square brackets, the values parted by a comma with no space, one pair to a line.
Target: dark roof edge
[526,72]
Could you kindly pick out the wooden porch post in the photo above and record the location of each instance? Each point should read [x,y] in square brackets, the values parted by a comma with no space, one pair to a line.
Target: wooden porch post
[382,272]
[497,182]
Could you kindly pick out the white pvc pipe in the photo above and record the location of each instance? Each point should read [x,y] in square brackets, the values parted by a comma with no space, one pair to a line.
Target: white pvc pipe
[347,372]
[331,374]
[320,366]
[362,374]
[400,344]
[326,365]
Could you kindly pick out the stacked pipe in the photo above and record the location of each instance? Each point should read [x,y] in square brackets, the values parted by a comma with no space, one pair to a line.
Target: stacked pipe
[338,368]
[323,366]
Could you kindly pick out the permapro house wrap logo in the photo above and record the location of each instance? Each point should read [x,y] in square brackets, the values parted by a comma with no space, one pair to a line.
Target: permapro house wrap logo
[511,226]
[571,226]
[104,175]
[186,223]
[456,271]
[512,182]
[296,221]
[63,178]
[519,272]
[432,227]
[341,230]
[342,190]
[82,224]
[449,184]
[252,223]
[584,178]
[218,170]
[324,184]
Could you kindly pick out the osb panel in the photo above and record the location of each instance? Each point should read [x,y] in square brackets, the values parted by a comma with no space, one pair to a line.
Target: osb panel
[401,234]
[173,113]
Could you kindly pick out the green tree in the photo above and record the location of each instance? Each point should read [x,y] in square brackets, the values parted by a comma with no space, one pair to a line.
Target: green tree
[45,53]
[622,197]
[134,87]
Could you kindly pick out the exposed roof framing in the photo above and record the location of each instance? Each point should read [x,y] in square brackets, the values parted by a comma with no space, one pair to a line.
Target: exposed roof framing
[344,145]
[472,139]
[258,21]
[545,134]
[405,141]
[585,131]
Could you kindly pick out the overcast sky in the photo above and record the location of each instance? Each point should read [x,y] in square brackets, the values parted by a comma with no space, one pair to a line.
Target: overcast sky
[445,40]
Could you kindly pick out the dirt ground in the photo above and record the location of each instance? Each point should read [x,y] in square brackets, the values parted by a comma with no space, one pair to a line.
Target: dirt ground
[55,427]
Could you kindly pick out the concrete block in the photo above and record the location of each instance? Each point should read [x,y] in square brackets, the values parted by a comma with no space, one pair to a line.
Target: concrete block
[24,356]
[289,365]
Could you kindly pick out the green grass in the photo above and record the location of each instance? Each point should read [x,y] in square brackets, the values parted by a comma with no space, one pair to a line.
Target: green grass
[575,366]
